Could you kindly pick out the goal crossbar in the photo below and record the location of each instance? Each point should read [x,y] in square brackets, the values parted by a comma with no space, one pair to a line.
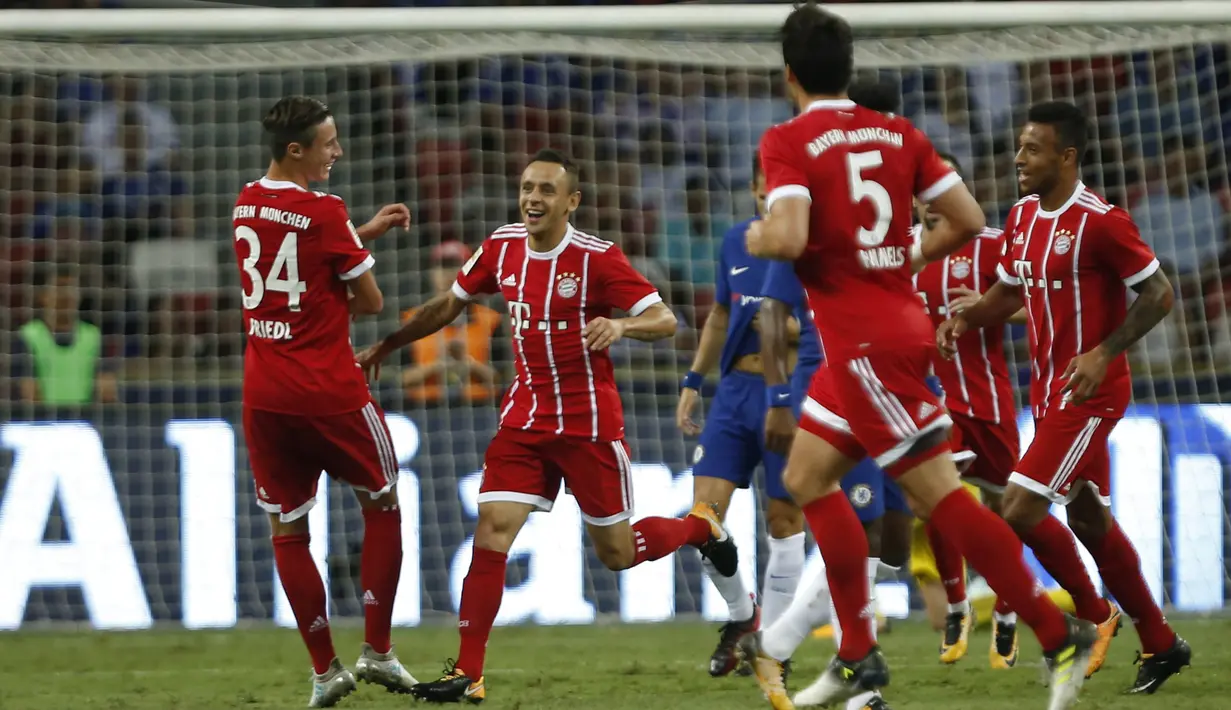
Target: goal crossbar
[248,22]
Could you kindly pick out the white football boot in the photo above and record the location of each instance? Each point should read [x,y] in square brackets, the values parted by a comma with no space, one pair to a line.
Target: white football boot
[331,686]
[383,669]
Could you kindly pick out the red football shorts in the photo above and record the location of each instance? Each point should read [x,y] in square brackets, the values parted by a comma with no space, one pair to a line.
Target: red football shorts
[529,466]
[996,447]
[288,452]
[877,405]
[1069,448]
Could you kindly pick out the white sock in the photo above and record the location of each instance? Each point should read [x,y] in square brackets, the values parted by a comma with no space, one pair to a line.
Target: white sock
[837,625]
[860,701]
[962,607]
[1010,618]
[786,564]
[874,566]
[739,601]
[808,610]
[888,573]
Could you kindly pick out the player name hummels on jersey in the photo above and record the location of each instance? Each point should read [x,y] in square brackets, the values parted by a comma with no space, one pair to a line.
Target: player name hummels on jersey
[269,214]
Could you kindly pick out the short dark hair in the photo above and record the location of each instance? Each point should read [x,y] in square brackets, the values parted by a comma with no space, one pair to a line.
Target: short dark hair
[819,48]
[551,155]
[1069,122]
[293,120]
[876,95]
[951,159]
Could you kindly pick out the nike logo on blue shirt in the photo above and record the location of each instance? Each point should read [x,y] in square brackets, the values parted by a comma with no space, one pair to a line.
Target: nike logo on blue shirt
[737,270]
[784,396]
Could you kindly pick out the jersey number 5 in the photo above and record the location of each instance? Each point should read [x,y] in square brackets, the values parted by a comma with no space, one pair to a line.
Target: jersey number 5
[862,189]
[287,260]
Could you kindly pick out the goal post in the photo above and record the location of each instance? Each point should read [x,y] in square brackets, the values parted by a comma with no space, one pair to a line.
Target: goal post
[125,136]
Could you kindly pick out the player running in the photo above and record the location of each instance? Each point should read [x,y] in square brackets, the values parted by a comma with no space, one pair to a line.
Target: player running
[561,421]
[734,441]
[305,272]
[979,397]
[1068,257]
[841,180]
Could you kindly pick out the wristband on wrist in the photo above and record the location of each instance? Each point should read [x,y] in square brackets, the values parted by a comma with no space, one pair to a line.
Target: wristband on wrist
[778,396]
[693,380]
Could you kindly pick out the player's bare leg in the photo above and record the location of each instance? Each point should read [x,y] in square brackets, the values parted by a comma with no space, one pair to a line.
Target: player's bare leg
[813,472]
[305,591]
[1163,653]
[741,604]
[497,528]
[379,569]
[990,545]
[1056,549]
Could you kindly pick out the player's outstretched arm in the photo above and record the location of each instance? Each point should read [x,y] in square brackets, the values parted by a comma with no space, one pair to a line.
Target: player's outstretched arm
[1000,303]
[709,349]
[1085,372]
[429,318]
[775,318]
[962,221]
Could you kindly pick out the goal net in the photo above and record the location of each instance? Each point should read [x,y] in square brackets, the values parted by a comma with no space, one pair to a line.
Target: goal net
[127,497]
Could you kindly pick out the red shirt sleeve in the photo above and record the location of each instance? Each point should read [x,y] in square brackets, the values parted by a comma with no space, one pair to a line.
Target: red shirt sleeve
[1120,248]
[478,275]
[933,177]
[1005,270]
[340,243]
[784,175]
[990,254]
[623,287]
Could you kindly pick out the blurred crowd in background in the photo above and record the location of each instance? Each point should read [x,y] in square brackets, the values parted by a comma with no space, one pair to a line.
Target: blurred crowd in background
[115,192]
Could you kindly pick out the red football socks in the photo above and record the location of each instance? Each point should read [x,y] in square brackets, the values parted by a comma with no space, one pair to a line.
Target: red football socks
[655,538]
[844,548]
[949,564]
[380,566]
[481,595]
[306,593]
[1056,549]
[1002,607]
[991,547]
[1121,571]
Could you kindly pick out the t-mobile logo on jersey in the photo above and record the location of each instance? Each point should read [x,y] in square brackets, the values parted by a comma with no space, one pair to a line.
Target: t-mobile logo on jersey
[519,315]
[1025,273]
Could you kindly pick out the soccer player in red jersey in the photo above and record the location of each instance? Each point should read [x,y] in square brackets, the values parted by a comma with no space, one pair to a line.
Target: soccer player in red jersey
[979,397]
[841,180]
[305,272]
[1068,257]
[561,421]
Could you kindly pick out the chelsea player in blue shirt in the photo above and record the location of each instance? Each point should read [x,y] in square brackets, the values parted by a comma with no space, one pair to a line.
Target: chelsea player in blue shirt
[733,443]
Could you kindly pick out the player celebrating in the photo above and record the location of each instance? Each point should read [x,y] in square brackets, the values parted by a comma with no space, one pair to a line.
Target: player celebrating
[734,440]
[979,397]
[1069,256]
[561,421]
[841,179]
[305,272]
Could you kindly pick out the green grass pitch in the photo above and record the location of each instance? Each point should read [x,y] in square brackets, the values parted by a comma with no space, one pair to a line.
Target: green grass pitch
[650,667]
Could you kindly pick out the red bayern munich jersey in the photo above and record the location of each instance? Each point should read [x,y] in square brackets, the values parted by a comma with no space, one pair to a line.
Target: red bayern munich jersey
[976,380]
[1073,265]
[860,168]
[296,250]
[561,387]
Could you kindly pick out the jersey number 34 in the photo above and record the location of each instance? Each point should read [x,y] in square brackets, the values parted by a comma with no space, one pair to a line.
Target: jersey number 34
[285,262]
